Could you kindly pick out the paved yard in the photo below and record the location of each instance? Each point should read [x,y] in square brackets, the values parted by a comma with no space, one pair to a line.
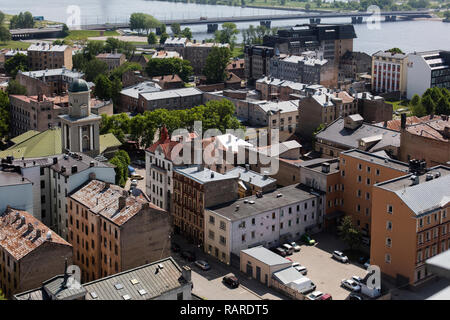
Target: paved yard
[140,183]
[323,270]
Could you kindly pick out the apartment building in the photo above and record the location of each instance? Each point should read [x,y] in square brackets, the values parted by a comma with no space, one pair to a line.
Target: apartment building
[194,189]
[34,113]
[44,55]
[324,107]
[171,282]
[251,182]
[113,60]
[15,190]
[427,69]
[197,53]
[112,230]
[129,96]
[354,63]
[276,217]
[167,82]
[410,224]
[373,108]
[30,252]
[359,172]
[257,61]
[389,72]
[170,99]
[48,82]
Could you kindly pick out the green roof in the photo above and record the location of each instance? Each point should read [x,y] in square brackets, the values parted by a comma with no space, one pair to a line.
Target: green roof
[108,140]
[48,143]
[78,85]
[24,136]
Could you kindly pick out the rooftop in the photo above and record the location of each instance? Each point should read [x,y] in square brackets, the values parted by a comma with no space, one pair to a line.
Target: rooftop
[385,54]
[110,56]
[277,149]
[395,124]
[251,177]
[250,206]
[202,175]
[266,256]
[53,72]
[82,162]
[316,164]
[44,46]
[143,87]
[377,159]
[432,129]
[21,233]
[170,94]
[282,106]
[8,178]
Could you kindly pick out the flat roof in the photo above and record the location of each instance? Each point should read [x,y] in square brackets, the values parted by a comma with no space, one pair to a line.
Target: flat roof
[202,176]
[12,178]
[251,177]
[316,164]
[174,93]
[377,159]
[265,256]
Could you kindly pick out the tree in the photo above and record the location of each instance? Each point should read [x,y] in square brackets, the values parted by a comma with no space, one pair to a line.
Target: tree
[394,50]
[94,68]
[65,30]
[152,39]
[24,20]
[415,100]
[143,22]
[121,170]
[227,34]
[2,296]
[93,48]
[103,87]
[127,66]
[4,115]
[187,33]
[428,104]
[16,63]
[2,17]
[5,35]
[216,63]
[443,106]
[350,235]
[176,29]
[163,38]
[14,87]
[116,87]
[159,67]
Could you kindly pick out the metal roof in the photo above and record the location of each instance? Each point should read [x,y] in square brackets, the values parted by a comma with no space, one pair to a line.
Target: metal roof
[251,177]
[288,275]
[266,256]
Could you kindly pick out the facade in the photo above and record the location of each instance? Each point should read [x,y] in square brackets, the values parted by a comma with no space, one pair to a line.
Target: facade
[410,224]
[112,231]
[194,189]
[171,282]
[427,70]
[373,108]
[324,107]
[170,99]
[237,67]
[113,60]
[28,261]
[389,72]
[15,191]
[80,128]
[42,56]
[275,218]
[197,53]
[168,82]
[354,63]
[129,96]
[251,182]
[257,61]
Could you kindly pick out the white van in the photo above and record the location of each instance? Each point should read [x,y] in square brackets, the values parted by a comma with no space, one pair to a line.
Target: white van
[304,285]
[289,249]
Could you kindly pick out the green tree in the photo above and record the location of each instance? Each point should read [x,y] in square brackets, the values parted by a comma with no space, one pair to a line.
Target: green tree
[16,63]
[5,35]
[152,39]
[123,156]
[94,68]
[93,48]
[116,87]
[121,170]
[428,104]
[65,30]
[14,87]
[443,106]
[394,50]
[103,87]
[187,33]
[24,20]
[159,67]
[216,63]
[79,61]
[2,296]
[227,34]
[2,17]
[415,100]
[349,234]
[418,110]
[127,66]
[4,115]
[163,38]
[176,29]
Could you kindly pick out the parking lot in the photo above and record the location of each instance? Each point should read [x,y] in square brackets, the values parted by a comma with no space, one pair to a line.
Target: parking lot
[324,271]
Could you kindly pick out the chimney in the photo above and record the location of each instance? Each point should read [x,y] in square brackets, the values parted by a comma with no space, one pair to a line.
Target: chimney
[30,227]
[446,132]
[186,273]
[91,164]
[74,169]
[63,169]
[49,236]
[55,160]
[403,121]
[122,202]
[38,233]
[325,167]
[22,221]
[247,167]
[415,180]
[212,174]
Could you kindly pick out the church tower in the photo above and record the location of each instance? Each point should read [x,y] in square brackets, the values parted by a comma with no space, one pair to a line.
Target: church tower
[80,128]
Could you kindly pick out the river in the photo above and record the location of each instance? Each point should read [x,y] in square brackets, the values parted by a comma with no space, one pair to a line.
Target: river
[407,35]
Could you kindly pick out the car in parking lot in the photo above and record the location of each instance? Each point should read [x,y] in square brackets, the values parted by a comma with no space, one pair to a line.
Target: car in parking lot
[188,255]
[297,266]
[202,264]
[351,285]
[136,177]
[338,255]
[308,240]
[295,246]
[280,251]
[358,279]
[355,296]
[315,295]
[231,281]
[288,248]
[326,296]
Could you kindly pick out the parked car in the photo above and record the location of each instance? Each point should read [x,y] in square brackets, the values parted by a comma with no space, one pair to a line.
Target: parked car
[300,268]
[358,279]
[295,246]
[288,248]
[351,285]
[338,255]
[354,296]
[315,295]
[188,255]
[232,281]
[202,264]
[305,285]
[137,177]
[289,259]
[175,247]
[280,251]
[307,239]
[326,296]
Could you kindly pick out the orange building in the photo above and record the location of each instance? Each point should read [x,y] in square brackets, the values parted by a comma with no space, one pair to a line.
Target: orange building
[112,230]
[410,223]
[360,170]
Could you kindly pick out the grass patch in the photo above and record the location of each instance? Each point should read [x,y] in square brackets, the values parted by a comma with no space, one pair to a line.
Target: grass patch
[84,34]
[16,45]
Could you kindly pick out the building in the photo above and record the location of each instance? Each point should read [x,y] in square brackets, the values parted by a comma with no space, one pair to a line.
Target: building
[273,219]
[42,56]
[113,60]
[260,263]
[129,96]
[171,282]
[174,99]
[237,67]
[427,70]
[411,224]
[354,63]
[168,82]
[389,72]
[48,82]
[112,231]
[28,260]
[427,140]
[273,88]
[352,132]
[323,107]
[163,54]
[140,58]
[80,128]
[37,113]
[194,189]
[359,172]
[257,61]
[197,53]
[15,191]
[251,182]
[373,108]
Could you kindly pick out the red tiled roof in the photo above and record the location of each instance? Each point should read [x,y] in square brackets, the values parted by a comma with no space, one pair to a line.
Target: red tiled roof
[396,123]
[21,239]
[433,129]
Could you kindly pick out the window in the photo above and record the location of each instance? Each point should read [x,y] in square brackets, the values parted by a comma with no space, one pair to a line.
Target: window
[387,258]
[388,242]
[222,225]
[390,209]
[223,241]
[211,220]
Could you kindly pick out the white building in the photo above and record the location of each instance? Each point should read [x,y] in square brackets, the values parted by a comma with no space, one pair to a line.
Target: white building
[426,70]
[276,217]
[15,191]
